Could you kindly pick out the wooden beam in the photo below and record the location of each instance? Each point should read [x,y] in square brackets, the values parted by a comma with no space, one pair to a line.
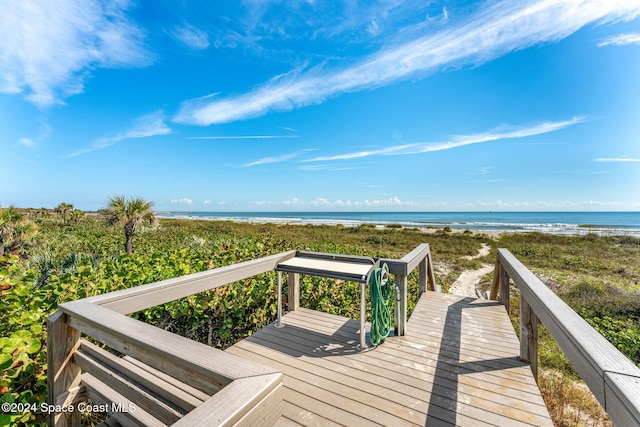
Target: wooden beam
[433,285]
[505,294]
[245,402]
[63,374]
[132,391]
[422,276]
[130,300]
[529,336]
[178,394]
[623,399]
[293,287]
[120,408]
[401,306]
[407,263]
[495,288]
[204,367]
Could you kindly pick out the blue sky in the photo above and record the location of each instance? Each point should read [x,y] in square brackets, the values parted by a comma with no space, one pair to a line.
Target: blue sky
[329,106]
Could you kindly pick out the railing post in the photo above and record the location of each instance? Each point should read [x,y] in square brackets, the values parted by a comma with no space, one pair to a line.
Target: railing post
[504,288]
[529,336]
[433,286]
[401,306]
[500,284]
[493,295]
[63,375]
[422,275]
[293,286]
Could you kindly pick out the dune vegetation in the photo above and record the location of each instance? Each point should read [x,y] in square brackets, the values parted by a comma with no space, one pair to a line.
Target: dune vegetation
[65,258]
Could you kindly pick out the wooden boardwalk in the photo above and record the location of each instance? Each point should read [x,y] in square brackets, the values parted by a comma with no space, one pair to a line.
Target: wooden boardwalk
[457,365]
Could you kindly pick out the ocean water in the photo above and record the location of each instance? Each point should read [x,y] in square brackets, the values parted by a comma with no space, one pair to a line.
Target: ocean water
[602,223]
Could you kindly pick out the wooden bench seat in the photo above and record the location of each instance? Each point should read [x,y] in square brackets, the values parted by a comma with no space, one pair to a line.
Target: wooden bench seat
[124,383]
[152,377]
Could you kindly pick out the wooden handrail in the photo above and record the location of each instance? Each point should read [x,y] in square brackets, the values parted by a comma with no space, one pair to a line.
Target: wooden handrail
[419,257]
[130,300]
[609,374]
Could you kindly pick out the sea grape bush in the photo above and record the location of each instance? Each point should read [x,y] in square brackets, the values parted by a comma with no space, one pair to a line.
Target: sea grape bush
[22,361]
[623,334]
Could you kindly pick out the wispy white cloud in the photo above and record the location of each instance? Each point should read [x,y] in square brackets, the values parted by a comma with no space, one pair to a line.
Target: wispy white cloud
[49,46]
[192,37]
[358,154]
[487,181]
[44,134]
[244,137]
[584,172]
[391,202]
[151,124]
[503,132]
[617,159]
[295,202]
[490,33]
[288,128]
[550,205]
[27,142]
[325,168]
[183,201]
[277,159]
[621,40]
[273,159]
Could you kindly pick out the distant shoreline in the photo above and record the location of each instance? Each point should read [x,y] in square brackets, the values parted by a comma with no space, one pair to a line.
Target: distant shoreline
[494,223]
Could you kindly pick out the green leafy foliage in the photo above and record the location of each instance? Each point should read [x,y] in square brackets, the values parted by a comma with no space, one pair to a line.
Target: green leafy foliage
[22,363]
[624,334]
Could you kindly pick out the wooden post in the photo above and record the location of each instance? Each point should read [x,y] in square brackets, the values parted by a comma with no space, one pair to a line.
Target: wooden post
[431,277]
[63,374]
[293,286]
[422,275]
[504,288]
[496,281]
[401,306]
[529,336]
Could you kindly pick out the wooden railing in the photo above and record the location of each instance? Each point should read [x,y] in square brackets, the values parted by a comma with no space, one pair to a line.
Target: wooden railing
[419,257]
[169,379]
[609,374]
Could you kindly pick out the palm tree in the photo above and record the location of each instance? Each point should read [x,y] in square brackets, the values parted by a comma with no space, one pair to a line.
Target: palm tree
[24,232]
[130,213]
[12,226]
[64,209]
[76,215]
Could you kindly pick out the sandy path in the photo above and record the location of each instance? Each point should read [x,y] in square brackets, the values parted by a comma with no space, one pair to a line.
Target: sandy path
[466,283]
[484,251]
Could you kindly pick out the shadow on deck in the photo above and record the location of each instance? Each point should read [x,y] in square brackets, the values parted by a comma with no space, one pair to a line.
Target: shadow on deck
[457,365]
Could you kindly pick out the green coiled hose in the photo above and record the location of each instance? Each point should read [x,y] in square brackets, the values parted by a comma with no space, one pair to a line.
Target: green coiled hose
[380,296]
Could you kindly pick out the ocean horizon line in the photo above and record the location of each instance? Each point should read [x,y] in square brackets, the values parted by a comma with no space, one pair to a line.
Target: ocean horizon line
[562,222]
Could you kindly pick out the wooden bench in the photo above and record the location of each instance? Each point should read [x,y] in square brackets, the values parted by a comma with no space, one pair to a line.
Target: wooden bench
[154,377]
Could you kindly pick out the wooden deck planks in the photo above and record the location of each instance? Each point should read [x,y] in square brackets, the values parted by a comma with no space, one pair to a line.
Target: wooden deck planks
[471,376]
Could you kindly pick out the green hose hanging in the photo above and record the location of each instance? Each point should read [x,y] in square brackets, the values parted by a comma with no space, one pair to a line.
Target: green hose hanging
[380,295]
